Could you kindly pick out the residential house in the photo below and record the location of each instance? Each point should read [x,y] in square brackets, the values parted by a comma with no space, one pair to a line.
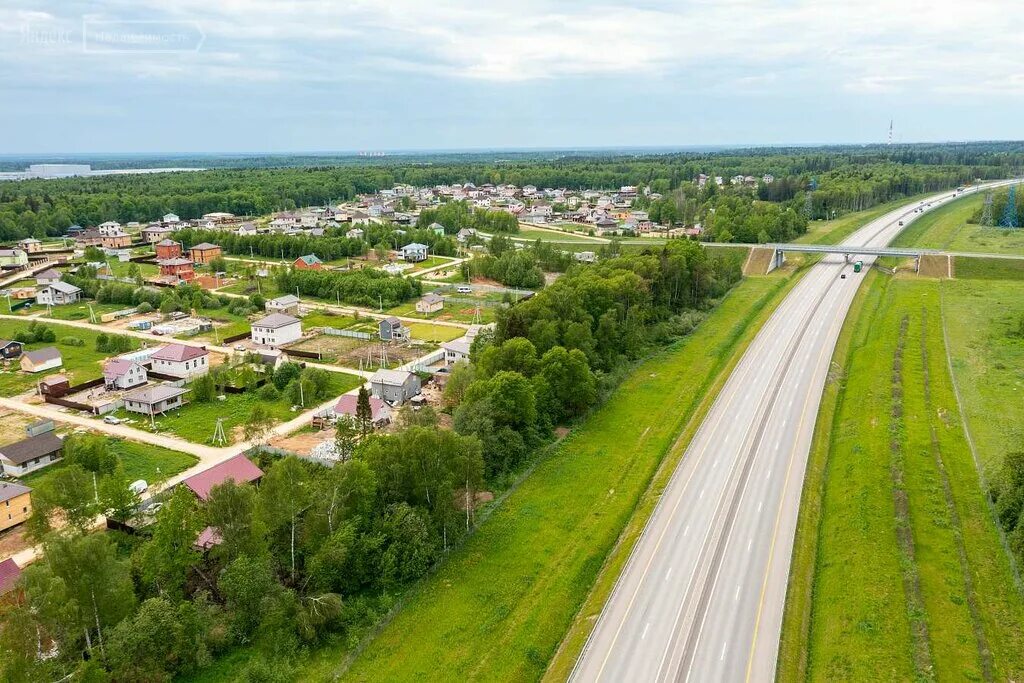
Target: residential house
[9,350]
[89,238]
[246,230]
[238,469]
[180,360]
[121,373]
[414,252]
[167,248]
[15,506]
[276,329]
[56,386]
[585,256]
[180,268]
[457,349]
[430,303]
[109,227]
[58,293]
[155,233]
[46,358]
[154,400]
[48,276]
[355,234]
[380,412]
[204,252]
[31,454]
[13,258]
[437,229]
[287,304]
[117,240]
[308,262]
[171,218]
[30,245]
[22,293]
[394,386]
[392,329]
[465,235]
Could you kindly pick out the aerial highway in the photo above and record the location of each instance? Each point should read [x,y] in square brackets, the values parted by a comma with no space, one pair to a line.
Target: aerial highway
[702,595]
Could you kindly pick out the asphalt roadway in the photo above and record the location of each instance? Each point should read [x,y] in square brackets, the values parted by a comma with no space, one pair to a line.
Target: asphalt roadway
[702,595]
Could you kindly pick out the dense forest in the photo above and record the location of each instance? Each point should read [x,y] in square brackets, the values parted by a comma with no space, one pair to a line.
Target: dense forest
[846,179]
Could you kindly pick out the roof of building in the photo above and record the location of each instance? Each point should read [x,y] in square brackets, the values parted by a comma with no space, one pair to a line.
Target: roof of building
[393,321]
[346,405]
[10,572]
[174,262]
[117,367]
[167,242]
[7,342]
[179,352]
[309,259]
[208,538]
[49,274]
[22,451]
[203,246]
[395,378]
[47,353]
[10,490]
[286,300]
[154,394]
[415,246]
[54,380]
[432,298]
[64,287]
[460,345]
[276,320]
[239,469]
[29,240]
[11,252]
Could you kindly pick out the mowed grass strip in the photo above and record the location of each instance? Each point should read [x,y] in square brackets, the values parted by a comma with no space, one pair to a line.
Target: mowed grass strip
[847,615]
[501,604]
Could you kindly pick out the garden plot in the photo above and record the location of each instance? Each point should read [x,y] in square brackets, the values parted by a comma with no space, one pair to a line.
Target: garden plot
[353,353]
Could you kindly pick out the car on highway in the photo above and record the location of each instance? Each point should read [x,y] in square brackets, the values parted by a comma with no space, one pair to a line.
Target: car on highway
[842,276]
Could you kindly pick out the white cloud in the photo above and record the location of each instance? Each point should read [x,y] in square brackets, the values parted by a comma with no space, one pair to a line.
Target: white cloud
[868,47]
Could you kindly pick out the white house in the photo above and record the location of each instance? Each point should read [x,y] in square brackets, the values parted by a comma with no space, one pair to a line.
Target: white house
[414,252]
[179,360]
[457,349]
[430,303]
[57,293]
[171,218]
[246,230]
[287,304]
[276,329]
[109,228]
[355,234]
[123,374]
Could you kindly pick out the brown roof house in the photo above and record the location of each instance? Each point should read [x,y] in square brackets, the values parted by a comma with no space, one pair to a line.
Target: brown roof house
[181,360]
[42,359]
[204,252]
[238,469]
[31,454]
[154,400]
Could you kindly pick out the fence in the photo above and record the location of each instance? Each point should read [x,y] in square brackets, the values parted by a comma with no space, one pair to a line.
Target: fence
[354,334]
[69,404]
[236,337]
[315,355]
[85,385]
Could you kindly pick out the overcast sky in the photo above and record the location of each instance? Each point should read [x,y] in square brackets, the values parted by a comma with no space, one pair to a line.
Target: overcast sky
[304,75]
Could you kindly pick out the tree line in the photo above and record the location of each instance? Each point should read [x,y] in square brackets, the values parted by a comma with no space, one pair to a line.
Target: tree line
[366,287]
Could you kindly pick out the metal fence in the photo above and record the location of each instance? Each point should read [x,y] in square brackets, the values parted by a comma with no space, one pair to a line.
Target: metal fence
[354,334]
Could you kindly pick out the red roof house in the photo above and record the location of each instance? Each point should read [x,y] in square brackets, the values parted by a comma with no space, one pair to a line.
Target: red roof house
[379,410]
[10,572]
[239,469]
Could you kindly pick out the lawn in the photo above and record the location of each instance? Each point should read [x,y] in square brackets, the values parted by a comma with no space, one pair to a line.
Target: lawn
[966,267]
[81,363]
[140,461]
[532,234]
[76,311]
[434,333]
[454,311]
[321,318]
[196,422]
[898,569]
[502,603]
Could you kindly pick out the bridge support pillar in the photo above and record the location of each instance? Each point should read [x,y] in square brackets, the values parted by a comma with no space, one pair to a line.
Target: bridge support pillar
[780,258]
[846,258]
[917,263]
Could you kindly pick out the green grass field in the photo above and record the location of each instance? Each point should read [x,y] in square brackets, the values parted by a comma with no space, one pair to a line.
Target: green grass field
[81,363]
[968,268]
[140,461]
[898,570]
[559,236]
[501,605]
[434,333]
[76,311]
[196,422]
[948,228]
[454,311]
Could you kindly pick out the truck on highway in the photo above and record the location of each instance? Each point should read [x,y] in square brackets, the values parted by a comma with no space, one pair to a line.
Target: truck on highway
[858,266]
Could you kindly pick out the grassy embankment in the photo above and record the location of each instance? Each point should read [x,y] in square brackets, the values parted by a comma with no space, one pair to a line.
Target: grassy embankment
[948,228]
[501,605]
[898,571]
[140,461]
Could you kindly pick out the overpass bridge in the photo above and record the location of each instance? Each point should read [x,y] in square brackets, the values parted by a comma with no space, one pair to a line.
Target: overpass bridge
[848,251]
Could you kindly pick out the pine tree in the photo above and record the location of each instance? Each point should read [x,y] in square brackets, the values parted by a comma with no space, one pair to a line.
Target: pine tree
[364,414]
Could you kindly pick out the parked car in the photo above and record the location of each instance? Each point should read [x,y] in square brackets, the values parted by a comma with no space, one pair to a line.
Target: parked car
[111,420]
[138,486]
[464,289]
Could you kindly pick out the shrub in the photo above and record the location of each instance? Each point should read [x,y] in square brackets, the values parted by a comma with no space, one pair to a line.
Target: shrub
[144,307]
[72,341]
